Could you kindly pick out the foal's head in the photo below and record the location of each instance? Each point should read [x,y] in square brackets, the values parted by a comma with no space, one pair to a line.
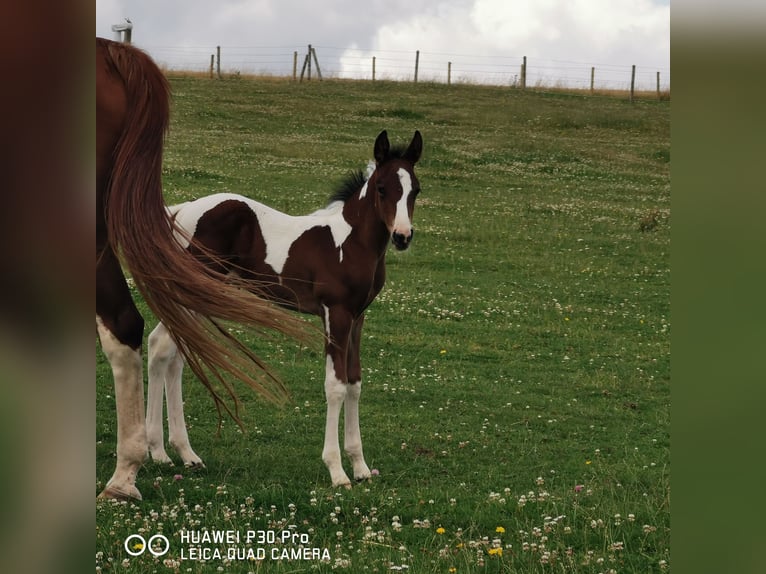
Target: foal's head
[395,186]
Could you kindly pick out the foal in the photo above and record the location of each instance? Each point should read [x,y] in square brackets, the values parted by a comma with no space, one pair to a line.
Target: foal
[330,263]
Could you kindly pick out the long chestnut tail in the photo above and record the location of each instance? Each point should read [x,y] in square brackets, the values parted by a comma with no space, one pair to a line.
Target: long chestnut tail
[188,297]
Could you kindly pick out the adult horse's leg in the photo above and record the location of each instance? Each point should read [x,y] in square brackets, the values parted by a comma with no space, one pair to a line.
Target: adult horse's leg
[338,324]
[120,328]
[165,370]
[119,324]
[353,438]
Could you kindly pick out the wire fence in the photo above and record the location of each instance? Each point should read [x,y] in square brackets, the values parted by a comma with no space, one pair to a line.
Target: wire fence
[397,65]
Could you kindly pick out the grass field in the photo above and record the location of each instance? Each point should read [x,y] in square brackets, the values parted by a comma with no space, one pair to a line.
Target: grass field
[517,364]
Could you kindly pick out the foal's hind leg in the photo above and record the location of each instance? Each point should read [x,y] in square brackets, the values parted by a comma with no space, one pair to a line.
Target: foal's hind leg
[162,351]
[353,437]
[166,369]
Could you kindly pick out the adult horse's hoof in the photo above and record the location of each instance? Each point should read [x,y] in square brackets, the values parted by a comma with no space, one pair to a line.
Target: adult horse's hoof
[111,492]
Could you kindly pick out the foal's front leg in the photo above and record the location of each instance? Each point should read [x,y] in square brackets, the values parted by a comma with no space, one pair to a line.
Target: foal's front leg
[353,435]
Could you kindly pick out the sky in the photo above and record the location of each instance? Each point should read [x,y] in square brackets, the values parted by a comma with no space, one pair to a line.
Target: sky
[486,39]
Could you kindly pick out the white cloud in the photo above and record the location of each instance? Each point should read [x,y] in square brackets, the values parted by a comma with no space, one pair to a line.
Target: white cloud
[588,32]
[516,24]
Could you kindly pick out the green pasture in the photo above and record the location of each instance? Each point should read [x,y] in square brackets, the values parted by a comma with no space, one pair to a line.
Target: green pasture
[516,390]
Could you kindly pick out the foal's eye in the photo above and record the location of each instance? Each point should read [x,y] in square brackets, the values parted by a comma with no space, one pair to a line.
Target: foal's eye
[381,190]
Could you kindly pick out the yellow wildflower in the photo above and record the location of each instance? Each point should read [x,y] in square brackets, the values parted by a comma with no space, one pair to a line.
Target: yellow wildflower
[500,529]
[440,530]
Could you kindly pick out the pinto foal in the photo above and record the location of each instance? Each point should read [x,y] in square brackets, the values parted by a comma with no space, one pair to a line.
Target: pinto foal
[330,263]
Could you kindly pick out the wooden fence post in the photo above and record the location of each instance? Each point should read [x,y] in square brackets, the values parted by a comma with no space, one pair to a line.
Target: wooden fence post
[305,64]
[295,65]
[592,76]
[659,96]
[319,71]
[417,65]
[373,68]
[218,61]
[524,74]
[308,59]
[212,65]
[449,73]
[632,83]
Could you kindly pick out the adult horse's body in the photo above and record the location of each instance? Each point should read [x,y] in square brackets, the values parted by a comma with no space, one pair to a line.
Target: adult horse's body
[132,112]
[330,263]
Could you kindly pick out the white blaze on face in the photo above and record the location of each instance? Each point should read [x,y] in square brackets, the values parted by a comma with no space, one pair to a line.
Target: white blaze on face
[402,224]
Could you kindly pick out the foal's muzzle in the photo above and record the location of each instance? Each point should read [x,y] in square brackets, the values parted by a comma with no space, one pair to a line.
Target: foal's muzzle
[401,241]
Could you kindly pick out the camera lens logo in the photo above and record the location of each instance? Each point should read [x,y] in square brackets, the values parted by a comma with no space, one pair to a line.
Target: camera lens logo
[135,545]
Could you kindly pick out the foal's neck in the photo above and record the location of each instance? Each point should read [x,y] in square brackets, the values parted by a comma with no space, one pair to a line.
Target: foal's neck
[361,213]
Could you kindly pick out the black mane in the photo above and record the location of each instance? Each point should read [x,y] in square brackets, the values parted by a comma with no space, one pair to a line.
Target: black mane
[349,186]
[355,180]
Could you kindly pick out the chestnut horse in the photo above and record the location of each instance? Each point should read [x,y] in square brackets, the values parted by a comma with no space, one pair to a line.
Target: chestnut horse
[330,263]
[133,227]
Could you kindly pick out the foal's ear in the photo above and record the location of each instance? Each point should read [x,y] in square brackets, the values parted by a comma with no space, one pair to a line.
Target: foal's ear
[381,147]
[415,148]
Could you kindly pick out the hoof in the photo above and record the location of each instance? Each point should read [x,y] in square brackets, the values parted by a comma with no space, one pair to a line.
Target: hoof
[111,492]
[342,483]
[194,465]
[160,457]
[362,476]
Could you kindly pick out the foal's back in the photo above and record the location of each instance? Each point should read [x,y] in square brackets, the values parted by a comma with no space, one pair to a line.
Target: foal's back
[293,258]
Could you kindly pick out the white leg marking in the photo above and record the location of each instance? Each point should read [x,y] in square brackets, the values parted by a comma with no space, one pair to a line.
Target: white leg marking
[161,353]
[335,392]
[126,366]
[166,369]
[178,437]
[353,437]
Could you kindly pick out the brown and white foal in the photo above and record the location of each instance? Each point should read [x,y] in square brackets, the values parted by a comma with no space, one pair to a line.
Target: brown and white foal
[330,263]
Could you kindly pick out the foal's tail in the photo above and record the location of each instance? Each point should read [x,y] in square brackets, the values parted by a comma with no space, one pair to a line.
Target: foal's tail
[172,281]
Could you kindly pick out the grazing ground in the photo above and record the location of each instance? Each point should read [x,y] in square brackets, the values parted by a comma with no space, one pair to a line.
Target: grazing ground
[516,366]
